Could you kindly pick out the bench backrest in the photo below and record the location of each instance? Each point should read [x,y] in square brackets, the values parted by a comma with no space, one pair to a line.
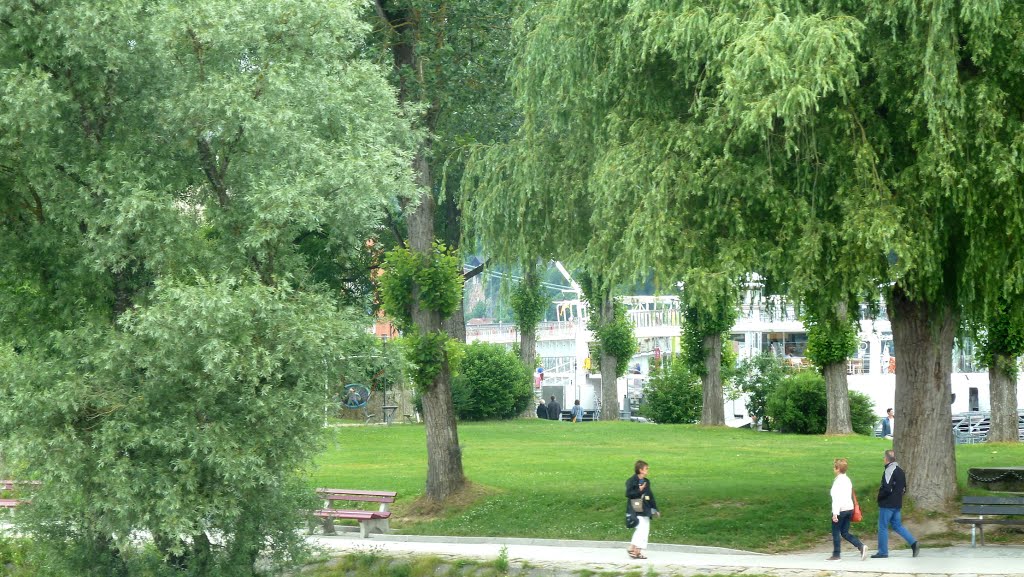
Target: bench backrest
[351,495]
[10,484]
[383,498]
[993,505]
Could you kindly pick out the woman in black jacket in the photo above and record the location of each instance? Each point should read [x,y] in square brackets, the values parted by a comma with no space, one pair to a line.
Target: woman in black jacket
[639,487]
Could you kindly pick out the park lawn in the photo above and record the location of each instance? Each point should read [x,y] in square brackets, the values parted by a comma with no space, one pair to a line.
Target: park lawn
[721,487]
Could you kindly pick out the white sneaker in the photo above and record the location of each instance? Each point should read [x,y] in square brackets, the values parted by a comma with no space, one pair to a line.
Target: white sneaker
[863,552]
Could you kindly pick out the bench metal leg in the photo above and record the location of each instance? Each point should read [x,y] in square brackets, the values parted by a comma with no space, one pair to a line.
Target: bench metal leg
[329,526]
[974,528]
[368,526]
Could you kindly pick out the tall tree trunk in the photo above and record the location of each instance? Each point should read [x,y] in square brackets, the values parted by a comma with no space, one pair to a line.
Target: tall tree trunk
[444,456]
[838,395]
[455,325]
[837,389]
[1003,400]
[528,337]
[609,365]
[528,349]
[923,334]
[713,406]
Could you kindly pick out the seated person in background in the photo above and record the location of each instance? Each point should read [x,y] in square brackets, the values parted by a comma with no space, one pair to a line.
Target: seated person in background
[887,424]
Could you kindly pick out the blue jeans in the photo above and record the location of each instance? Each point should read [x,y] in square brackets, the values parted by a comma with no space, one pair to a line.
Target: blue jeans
[887,517]
[841,528]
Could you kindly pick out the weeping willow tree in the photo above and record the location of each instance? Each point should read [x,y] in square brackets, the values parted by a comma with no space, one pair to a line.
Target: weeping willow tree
[839,146]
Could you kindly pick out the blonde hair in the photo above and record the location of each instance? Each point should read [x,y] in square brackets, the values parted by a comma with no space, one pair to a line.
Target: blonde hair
[840,465]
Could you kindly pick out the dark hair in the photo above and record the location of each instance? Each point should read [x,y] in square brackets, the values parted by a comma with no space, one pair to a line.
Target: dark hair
[889,410]
[639,465]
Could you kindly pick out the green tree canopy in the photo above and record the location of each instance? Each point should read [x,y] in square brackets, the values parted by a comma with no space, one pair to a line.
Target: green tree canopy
[835,145]
[169,333]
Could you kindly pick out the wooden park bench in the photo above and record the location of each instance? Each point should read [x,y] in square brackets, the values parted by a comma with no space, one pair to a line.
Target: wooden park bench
[984,508]
[10,498]
[567,416]
[370,520]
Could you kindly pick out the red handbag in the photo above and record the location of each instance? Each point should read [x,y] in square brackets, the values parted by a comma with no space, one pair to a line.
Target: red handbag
[857,515]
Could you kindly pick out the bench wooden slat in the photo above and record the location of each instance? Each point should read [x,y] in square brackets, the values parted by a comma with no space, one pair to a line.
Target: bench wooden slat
[326,491]
[359,498]
[992,509]
[986,500]
[355,514]
[12,503]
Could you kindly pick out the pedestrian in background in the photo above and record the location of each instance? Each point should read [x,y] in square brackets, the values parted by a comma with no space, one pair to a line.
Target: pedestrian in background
[639,487]
[890,502]
[842,511]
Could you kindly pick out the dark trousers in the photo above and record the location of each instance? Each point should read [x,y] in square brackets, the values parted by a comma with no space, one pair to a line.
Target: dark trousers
[841,528]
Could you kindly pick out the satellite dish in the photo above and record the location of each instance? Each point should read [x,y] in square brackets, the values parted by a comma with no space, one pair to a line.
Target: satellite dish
[355,396]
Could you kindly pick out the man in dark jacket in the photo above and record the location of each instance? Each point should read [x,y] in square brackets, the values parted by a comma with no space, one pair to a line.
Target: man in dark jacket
[890,501]
[554,409]
[542,410]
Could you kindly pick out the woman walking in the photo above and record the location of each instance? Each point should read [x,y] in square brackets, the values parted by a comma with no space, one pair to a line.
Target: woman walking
[638,487]
[842,511]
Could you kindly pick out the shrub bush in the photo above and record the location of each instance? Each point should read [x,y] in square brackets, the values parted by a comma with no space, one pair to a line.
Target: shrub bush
[674,395]
[758,377]
[862,413]
[492,384]
[800,405]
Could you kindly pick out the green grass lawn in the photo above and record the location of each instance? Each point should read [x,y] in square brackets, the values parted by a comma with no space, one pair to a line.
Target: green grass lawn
[722,487]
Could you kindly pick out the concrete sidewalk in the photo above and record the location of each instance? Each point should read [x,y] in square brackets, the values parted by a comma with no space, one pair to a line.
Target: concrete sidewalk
[564,557]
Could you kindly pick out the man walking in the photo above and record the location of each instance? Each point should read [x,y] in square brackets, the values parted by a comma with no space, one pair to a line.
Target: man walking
[890,501]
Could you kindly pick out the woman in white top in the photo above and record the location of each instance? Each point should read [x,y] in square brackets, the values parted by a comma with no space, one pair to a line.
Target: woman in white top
[842,511]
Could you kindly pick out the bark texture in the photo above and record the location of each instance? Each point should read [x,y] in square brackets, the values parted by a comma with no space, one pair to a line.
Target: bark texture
[1003,399]
[528,349]
[713,406]
[837,390]
[838,393]
[923,334]
[609,364]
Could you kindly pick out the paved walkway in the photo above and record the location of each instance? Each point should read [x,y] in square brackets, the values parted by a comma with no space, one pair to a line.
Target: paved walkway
[565,556]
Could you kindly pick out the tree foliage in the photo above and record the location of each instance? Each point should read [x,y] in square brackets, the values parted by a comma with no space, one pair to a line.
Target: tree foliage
[830,341]
[699,322]
[432,281]
[529,301]
[1001,338]
[166,168]
[615,338]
